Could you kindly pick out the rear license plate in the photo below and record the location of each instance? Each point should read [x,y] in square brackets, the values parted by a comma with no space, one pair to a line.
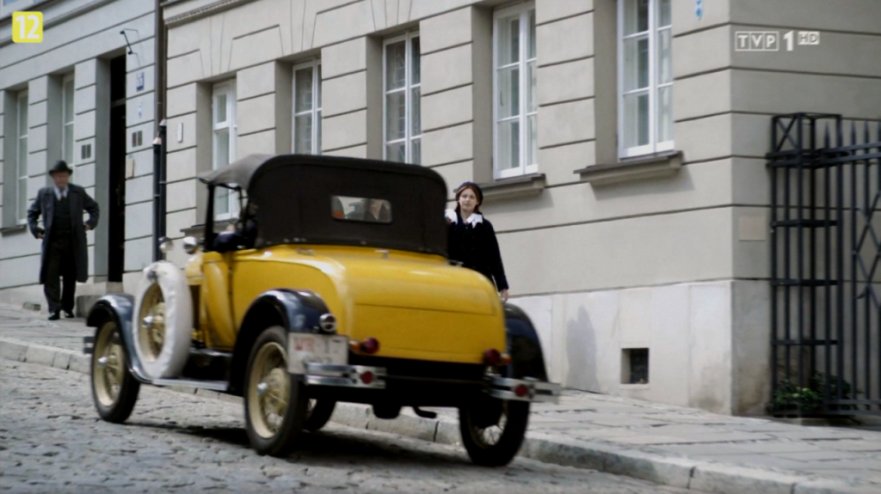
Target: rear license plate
[316,349]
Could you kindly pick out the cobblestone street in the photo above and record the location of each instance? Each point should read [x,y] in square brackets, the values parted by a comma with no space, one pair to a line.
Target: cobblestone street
[52,441]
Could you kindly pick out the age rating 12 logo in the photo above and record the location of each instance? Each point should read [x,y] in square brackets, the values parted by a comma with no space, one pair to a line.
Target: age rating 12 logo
[27,27]
[773,41]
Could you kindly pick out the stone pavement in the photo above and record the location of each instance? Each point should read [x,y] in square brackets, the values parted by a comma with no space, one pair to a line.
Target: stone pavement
[669,445]
[51,441]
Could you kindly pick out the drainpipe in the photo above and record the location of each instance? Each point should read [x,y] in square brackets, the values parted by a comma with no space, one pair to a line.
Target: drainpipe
[160,142]
[157,208]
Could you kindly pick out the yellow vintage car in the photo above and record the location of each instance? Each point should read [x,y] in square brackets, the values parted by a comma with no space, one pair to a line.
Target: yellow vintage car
[333,285]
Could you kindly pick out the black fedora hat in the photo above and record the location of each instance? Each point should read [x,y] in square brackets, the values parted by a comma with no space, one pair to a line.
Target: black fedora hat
[60,166]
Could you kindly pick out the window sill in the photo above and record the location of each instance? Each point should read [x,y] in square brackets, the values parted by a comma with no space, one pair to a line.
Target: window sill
[635,386]
[630,169]
[7,230]
[509,188]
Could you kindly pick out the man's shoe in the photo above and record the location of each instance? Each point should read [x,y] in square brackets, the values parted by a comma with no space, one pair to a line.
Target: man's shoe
[54,316]
[69,314]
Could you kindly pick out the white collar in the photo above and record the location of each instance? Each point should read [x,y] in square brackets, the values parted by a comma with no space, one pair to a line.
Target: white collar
[58,191]
[473,220]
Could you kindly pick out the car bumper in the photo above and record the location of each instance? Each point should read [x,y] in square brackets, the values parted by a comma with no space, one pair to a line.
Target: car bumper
[345,376]
[506,388]
[362,377]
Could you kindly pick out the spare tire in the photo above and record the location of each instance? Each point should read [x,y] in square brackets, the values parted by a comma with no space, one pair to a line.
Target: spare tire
[163,321]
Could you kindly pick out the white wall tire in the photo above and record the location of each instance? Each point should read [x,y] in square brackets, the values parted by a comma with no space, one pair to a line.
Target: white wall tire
[163,319]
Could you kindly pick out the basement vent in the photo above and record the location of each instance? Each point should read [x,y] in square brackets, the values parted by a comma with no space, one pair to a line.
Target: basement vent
[635,366]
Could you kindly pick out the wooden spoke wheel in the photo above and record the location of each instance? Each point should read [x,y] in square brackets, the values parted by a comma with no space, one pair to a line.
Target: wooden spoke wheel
[275,404]
[114,388]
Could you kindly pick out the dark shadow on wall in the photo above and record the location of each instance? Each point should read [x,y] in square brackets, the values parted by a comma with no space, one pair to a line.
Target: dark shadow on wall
[581,353]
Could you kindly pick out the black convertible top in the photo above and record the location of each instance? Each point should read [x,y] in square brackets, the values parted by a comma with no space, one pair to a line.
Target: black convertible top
[292,197]
[238,174]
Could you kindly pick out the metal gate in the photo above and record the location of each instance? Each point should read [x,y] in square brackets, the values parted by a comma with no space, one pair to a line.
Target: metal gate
[825,265]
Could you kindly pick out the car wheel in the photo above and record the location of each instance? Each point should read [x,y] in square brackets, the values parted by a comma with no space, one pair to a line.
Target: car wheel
[275,404]
[114,388]
[493,430]
[318,414]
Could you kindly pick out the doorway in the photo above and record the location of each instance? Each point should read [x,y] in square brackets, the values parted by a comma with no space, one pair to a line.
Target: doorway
[116,204]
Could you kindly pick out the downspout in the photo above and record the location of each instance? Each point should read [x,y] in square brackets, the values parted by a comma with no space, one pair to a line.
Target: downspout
[160,142]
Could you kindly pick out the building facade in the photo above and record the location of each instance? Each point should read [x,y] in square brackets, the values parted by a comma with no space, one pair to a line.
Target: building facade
[621,145]
[84,95]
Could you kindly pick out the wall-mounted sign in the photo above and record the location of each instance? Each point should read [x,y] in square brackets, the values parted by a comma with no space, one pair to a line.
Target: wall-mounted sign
[139,81]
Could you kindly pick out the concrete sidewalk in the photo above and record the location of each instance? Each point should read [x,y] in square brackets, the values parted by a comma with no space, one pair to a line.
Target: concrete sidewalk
[668,445]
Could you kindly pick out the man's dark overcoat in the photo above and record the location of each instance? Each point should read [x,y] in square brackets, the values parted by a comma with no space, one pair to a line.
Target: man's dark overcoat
[44,205]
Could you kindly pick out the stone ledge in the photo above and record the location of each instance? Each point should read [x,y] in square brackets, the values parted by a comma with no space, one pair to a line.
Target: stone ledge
[644,167]
[14,229]
[509,188]
[200,11]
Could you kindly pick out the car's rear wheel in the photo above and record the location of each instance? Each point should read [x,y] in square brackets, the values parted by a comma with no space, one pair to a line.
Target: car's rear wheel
[318,414]
[114,388]
[493,430]
[275,404]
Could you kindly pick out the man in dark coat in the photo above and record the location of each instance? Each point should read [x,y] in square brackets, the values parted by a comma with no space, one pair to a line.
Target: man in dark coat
[64,250]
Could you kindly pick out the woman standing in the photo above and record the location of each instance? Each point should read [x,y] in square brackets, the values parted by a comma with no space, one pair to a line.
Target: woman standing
[472,240]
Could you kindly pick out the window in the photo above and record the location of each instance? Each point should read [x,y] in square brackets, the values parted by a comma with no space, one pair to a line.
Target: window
[21,157]
[307,108]
[645,78]
[223,120]
[402,132]
[67,119]
[370,210]
[514,102]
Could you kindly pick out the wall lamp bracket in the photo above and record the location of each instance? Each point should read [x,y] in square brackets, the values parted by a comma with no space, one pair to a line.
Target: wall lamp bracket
[127,43]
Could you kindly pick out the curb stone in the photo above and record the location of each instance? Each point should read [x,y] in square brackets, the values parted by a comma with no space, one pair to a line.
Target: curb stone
[665,470]
[712,477]
[13,350]
[39,354]
[826,486]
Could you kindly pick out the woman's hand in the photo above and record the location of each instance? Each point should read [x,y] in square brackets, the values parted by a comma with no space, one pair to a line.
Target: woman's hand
[504,295]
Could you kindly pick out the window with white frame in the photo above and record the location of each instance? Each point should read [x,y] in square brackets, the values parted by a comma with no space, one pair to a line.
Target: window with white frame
[307,108]
[223,118]
[67,107]
[645,77]
[21,157]
[402,132]
[514,102]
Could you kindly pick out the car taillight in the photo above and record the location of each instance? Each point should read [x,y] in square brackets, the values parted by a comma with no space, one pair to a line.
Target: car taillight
[367,377]
[492,357]
[369,346]
[521,390]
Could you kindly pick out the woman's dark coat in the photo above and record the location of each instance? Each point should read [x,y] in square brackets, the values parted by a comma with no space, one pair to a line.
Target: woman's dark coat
[476,248]
[44,205]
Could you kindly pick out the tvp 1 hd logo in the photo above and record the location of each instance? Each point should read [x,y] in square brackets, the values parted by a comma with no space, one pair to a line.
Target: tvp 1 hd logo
[27,27]
[761,41]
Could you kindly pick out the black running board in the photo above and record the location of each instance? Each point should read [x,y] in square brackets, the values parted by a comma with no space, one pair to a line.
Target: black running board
[220,386]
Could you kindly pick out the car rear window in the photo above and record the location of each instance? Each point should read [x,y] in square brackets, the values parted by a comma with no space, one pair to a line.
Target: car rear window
[364,209]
